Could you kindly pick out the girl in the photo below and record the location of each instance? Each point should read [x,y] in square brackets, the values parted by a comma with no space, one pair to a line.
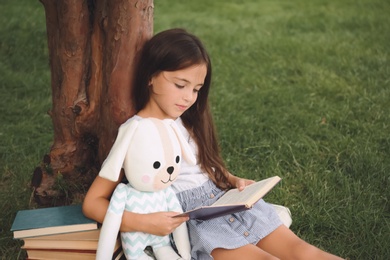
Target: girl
[173,81]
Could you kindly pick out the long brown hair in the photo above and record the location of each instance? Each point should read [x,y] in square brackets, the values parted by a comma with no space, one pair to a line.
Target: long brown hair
[172,50]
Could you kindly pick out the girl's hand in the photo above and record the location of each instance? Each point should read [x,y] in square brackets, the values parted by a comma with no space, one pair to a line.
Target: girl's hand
[239,183]
[159,223]
[242,183]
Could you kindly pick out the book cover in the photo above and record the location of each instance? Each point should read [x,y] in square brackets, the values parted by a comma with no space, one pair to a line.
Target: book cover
[61,255]
[49,221]
[81,235]
[65,254]
[62,244]
[234,200]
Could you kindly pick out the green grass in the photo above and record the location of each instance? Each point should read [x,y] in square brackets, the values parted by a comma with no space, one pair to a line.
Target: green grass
[301,89]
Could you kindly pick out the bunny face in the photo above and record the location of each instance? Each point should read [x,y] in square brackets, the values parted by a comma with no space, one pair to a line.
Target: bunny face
[150,151]
[154,156]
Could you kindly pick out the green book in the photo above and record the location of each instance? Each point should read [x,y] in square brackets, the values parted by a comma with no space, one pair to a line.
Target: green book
[49,221]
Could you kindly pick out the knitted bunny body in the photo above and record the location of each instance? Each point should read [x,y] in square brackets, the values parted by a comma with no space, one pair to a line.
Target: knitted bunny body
[127,198]
[150,151]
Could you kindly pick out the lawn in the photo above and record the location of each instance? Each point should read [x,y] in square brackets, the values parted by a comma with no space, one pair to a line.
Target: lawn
[301,89]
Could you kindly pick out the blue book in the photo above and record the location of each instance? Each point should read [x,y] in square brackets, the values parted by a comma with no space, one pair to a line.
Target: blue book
[49,221]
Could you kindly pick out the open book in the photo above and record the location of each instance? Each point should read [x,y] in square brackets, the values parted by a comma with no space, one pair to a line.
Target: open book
[234,200]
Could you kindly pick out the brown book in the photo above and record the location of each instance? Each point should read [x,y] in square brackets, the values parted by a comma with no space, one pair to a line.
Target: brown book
[61,255]
[82,235]
[62,244]
[69,253]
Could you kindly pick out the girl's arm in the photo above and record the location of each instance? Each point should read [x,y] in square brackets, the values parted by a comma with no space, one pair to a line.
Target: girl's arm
[96,204]
[96,201]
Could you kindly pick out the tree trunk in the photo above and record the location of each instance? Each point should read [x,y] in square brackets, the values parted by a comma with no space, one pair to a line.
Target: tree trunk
[93,47]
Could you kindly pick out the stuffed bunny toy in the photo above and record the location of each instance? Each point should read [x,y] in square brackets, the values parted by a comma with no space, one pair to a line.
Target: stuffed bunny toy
[150,152]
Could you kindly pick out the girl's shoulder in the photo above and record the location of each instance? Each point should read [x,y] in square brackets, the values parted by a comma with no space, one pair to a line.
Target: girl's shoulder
[131,119]
[178,121]
[137,117]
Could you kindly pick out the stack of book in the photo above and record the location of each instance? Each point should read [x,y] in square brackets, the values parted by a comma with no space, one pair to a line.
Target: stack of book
[59,233]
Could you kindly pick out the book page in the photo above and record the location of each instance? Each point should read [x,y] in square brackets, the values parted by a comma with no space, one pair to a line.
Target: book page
[249,195]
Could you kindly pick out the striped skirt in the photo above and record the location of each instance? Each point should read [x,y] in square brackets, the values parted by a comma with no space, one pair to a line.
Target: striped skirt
[230,231]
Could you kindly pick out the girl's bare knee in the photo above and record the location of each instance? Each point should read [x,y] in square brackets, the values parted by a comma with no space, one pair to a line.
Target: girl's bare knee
[304,250]
[246,252]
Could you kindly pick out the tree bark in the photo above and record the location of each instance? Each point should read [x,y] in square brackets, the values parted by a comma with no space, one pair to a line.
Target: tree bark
[93,47]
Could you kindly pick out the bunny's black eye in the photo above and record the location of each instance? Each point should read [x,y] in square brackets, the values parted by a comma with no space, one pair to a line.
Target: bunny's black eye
[156,165]
[177,159]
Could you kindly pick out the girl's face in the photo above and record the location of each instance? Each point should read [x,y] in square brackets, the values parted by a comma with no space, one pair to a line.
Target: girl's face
[173,92]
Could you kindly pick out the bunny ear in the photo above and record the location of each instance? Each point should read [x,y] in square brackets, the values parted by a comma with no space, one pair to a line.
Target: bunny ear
[188,155]
[112,166]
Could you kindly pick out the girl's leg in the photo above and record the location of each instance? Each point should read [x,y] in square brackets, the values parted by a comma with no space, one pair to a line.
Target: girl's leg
[248,252]
[283,243]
